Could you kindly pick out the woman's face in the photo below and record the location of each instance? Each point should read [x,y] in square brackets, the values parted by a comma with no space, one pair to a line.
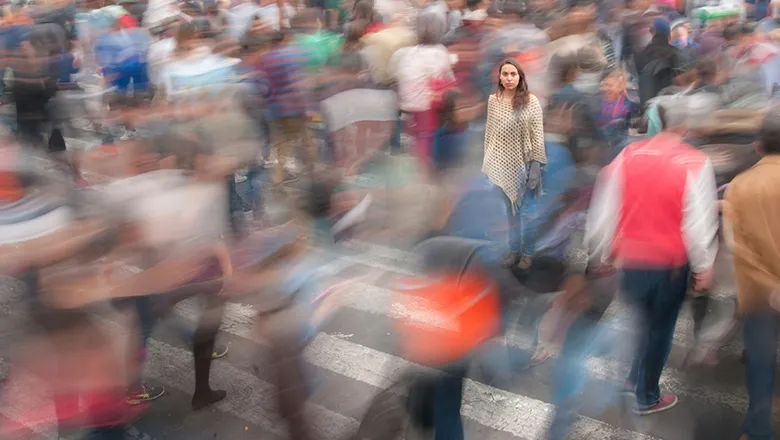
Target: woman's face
[510,77]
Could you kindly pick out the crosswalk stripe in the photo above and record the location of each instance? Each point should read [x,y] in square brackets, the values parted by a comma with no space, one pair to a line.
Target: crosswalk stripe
[377,300]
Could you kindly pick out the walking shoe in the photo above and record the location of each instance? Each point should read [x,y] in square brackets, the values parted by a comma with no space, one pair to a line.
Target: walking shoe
[667,402]
[629,389]
[144,393]
[219,351]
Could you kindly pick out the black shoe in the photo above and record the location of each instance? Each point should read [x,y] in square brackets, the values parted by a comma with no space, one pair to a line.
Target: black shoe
[202,400]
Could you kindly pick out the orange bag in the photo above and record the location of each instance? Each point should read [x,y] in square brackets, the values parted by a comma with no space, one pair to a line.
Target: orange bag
[464,310]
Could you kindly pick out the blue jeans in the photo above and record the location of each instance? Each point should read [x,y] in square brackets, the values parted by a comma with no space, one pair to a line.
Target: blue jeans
[107,433]
[395,140]
[123,75]
[535,210]
[447,423]
[655,297]
[760,339]
[515,225]
[570,374]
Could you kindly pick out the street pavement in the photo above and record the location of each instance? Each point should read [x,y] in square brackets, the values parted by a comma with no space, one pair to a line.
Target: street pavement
[357,354]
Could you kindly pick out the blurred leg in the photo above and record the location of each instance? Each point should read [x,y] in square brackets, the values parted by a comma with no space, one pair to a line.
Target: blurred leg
[665,308]
[280,144]
[301,129]
[447,422]
[202,350]
[760,339]
[570,376]
[286,332]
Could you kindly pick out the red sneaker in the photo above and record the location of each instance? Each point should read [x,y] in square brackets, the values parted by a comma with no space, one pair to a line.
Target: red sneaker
[667,402]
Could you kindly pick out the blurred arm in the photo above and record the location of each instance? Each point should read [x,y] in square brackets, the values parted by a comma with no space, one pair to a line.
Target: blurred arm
[700,219]
[604,213]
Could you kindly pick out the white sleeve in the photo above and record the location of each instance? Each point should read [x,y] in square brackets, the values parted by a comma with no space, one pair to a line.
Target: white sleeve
[700,218]
[604,213]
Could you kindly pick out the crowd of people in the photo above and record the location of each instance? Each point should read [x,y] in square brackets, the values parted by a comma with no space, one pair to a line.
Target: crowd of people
[611,136]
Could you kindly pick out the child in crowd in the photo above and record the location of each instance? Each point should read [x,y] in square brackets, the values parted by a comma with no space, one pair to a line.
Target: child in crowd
[616,110]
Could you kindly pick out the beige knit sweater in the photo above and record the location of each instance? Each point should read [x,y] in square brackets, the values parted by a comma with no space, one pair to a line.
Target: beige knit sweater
[512,139]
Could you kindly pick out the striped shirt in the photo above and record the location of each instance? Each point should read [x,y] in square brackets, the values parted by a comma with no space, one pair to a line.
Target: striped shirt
[284,69]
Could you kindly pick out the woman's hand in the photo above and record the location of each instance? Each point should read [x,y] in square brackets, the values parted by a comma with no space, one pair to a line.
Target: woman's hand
[534,175]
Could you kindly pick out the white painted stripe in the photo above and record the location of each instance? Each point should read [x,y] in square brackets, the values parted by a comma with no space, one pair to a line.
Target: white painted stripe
[238,320]
[498,409]
[520,416]
[249,398]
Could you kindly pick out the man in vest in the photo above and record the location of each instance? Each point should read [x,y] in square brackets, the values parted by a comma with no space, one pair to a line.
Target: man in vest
[654,217]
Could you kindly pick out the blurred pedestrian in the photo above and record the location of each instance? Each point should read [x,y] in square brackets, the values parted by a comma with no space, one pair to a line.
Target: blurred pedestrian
[423,73]
[749,207]
[654,217]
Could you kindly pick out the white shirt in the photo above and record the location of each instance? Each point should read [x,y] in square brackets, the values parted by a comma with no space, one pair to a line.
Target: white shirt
[414,68]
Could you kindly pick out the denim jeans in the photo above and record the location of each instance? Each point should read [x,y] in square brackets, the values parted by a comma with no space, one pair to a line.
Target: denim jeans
[515,226]
[535,210]
[655,297]
[395,140]
[760,339]
[447,422]
[587,336]
[107,433]
[570,374]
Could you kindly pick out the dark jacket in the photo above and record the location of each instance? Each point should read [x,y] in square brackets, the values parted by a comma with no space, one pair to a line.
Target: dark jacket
[657,65]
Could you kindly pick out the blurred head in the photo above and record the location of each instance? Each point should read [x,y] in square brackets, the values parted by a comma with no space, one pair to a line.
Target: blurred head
[732,33]
[564,69]
[639,5]
[511,78]
[681,31]
[191,34]
[673,115]
[501,12]
[364,10]
[747,33]
[661,30]
[581,14]
[354,32]
[45,39]
[474,5]
[707,70]
[769,133]
[613,85]
[430,28]
[306,20]
[455,5]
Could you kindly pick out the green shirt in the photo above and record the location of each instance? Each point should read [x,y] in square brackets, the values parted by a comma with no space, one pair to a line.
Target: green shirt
[322,48]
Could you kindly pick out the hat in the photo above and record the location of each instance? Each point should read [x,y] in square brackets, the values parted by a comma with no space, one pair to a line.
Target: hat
[661,27]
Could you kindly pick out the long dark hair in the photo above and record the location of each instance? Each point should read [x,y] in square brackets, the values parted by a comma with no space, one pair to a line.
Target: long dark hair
[522,94]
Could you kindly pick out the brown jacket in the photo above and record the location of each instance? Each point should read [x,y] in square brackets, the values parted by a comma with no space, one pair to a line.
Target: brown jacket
[752,209]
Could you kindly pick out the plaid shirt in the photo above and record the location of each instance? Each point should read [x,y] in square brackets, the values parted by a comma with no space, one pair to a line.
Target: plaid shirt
[285,70]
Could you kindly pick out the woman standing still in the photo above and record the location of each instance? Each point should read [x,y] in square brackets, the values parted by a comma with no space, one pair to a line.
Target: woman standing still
[514,149]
